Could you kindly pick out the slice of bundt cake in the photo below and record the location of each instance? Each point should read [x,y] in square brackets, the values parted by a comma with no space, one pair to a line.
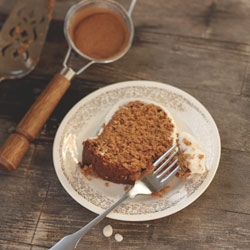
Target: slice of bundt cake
[128,144]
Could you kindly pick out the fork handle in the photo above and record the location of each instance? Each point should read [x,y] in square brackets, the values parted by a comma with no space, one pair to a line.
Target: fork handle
[70,242]
[15,147]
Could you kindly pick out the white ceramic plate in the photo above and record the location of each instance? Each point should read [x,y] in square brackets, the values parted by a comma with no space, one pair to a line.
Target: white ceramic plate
[85,119]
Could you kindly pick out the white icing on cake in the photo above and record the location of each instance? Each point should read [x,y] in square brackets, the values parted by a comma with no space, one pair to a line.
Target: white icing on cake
[191,151]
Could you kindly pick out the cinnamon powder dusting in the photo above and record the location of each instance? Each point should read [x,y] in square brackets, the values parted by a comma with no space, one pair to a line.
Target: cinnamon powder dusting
[99,33]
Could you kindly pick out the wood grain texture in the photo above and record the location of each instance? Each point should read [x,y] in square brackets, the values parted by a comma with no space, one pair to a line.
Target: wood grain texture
[201,47]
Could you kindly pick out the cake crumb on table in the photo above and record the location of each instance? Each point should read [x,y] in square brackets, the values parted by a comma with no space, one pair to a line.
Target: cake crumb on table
[118,237]
[107,231]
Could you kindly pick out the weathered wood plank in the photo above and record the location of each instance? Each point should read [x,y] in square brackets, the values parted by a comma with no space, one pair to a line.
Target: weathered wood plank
[199,46]
[231,113]
[246,83]
[21,203]
[220,20]
[12,245]
[159,54]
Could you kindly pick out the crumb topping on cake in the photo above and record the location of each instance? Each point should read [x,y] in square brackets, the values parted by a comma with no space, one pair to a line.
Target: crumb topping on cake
[135,136]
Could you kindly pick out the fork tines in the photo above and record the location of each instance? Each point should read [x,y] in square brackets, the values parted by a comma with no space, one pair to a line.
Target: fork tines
[166,166]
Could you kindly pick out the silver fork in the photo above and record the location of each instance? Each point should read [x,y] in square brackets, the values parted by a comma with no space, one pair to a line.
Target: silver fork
[165,168]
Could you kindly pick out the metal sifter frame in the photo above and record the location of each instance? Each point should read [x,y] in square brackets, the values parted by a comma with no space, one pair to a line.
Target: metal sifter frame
[67,71]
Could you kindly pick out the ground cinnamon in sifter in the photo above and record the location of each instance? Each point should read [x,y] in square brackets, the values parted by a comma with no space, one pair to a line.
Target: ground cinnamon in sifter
[99,33]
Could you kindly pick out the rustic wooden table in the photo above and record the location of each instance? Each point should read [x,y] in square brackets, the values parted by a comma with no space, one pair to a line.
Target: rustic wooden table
[201,47]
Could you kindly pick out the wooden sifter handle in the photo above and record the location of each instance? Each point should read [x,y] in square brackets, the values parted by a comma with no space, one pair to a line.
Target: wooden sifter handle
[15,147]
